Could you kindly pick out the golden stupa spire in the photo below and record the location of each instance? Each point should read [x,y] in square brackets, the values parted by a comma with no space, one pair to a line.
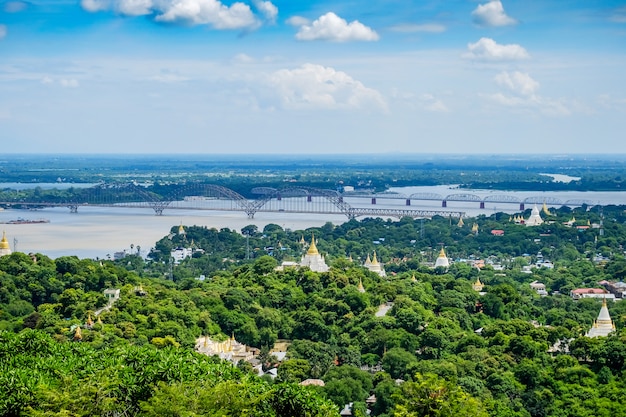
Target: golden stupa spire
[475,228]
[460,223]
[4,243]
[374,260]
[545,209]
[302,241]
[181,229]
[361,288]
[89,320]
[312,249]
[99,321]
[77,334]
[413,278]
[442,253]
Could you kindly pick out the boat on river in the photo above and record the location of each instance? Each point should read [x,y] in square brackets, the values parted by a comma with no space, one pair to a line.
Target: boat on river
[20,220]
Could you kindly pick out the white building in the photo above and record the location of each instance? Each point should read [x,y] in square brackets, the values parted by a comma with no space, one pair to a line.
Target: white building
[375,266]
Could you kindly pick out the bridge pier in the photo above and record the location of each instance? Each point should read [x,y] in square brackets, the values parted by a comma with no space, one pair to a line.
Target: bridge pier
[444,203]
[373,200]
[482,204]
[521,207]
[408,202]
[73,208]
[309,198]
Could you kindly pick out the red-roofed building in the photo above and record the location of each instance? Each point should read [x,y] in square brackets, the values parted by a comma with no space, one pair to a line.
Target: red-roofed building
[497,232]
[579,293]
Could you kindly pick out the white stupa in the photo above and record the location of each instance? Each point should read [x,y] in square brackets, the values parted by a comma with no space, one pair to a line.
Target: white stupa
[603,325]
[5,249]
[535,218]
[313,259]
[442,260]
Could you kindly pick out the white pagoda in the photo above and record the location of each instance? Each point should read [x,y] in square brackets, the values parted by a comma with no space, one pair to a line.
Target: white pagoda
[442,260]
[313,259]
[535,218]
[603,325]
[375,266]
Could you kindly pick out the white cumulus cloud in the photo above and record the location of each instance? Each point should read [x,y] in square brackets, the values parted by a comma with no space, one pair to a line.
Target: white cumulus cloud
[486,49]
[93,6]
[492,14]
[134,7]
[267,9]
[3,31]
[330,27]
[15,6]
[523,95]
[317,87]
[237,15]
[518,82]
[209,12]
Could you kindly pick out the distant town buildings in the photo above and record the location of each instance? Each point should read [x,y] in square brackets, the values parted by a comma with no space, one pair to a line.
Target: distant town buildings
[580,293]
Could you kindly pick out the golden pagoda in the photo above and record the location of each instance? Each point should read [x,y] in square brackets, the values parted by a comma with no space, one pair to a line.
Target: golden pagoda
[442,260]
[478,286]
[460,223]
[413,278]
[361,288]
[313,259]
[475,228]
[5,249]
[545,209]
[78,336]
[181,229]
[603,325]
[89,322]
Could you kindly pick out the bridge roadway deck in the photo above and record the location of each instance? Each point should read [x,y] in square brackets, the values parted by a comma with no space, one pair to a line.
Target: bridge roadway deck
[351,212]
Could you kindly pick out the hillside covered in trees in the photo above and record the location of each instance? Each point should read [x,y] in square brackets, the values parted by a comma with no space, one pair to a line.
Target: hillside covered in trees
[442,349]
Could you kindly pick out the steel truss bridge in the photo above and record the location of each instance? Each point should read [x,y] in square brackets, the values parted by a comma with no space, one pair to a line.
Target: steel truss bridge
[215,197]
[469,197]
[288,200]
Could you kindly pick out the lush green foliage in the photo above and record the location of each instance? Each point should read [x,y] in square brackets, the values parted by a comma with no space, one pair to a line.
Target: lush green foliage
[454,348]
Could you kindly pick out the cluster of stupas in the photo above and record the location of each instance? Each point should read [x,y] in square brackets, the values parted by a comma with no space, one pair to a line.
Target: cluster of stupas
[534,219]
[230,350]
[374,266]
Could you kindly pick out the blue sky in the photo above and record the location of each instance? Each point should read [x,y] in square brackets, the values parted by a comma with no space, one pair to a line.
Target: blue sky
[256,76]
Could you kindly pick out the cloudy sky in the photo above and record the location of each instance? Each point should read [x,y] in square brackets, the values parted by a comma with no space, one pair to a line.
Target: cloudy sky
[312,76]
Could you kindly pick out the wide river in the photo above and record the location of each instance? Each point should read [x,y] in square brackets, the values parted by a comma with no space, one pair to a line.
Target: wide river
[97,232]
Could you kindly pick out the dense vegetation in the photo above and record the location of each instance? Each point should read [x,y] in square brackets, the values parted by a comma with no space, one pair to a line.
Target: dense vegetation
[455,350]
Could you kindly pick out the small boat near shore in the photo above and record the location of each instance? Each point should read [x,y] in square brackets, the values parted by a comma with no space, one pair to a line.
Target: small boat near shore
[20,220]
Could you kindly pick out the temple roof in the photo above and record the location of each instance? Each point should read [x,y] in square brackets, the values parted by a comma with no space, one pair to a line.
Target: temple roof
[374,260]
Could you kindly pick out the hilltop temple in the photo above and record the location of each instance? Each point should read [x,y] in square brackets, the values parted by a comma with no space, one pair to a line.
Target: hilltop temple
[603,325]
[313,259]
[374,266]
[535,218]
[230,350]
[5,249]
[442,260]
